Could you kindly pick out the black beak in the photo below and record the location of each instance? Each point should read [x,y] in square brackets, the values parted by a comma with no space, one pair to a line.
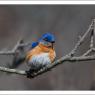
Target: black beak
[53,42]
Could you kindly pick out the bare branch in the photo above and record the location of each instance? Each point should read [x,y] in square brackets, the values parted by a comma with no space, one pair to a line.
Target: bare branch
[62,60]
[25,44]
[14,50]
[20,72]
[87,52]
[68,58]
[45,69]
[16,46]
[92,39]
[81,40]
[11,52]
[6,52]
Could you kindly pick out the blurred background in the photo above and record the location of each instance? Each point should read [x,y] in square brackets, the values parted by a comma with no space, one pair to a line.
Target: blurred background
[29,22]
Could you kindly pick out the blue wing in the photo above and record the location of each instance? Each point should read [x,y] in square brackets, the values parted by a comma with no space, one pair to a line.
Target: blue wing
[34,44]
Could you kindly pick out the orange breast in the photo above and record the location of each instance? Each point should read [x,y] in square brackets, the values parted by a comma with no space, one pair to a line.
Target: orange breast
[32,52]
[52,54]
[41,49]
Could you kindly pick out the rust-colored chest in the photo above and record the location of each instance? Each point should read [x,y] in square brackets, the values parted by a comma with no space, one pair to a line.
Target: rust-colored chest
[39,50]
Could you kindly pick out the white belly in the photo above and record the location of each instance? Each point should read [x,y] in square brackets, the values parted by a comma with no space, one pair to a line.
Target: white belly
[42,59]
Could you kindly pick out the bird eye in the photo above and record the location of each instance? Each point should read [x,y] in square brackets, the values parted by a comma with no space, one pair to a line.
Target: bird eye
[46,39]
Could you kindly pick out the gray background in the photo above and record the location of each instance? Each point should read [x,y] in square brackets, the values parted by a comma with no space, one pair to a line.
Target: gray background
[66,22]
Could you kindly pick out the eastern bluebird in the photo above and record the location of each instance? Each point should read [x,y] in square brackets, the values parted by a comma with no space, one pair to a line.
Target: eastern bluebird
[41,54]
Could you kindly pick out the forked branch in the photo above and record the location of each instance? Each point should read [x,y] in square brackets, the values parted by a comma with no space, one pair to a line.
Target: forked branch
[67,58]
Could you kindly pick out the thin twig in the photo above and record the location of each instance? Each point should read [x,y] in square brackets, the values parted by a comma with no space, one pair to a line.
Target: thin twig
[13,51]
[87,52]
[16,46]
[20,72]
[81,40]
[92,39]
[6,52]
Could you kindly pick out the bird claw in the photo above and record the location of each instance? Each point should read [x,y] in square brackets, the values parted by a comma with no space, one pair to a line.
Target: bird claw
[29,75]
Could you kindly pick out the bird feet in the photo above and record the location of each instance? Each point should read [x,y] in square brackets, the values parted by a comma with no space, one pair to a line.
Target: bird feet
[29,74]
[31,71]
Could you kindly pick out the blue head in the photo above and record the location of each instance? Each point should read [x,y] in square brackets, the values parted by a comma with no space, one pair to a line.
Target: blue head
[47,39]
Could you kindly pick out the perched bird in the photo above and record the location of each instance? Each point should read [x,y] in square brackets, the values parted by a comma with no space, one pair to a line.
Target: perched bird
[42,54]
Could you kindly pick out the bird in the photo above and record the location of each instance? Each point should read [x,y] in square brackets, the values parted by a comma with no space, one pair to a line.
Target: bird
[41,55]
